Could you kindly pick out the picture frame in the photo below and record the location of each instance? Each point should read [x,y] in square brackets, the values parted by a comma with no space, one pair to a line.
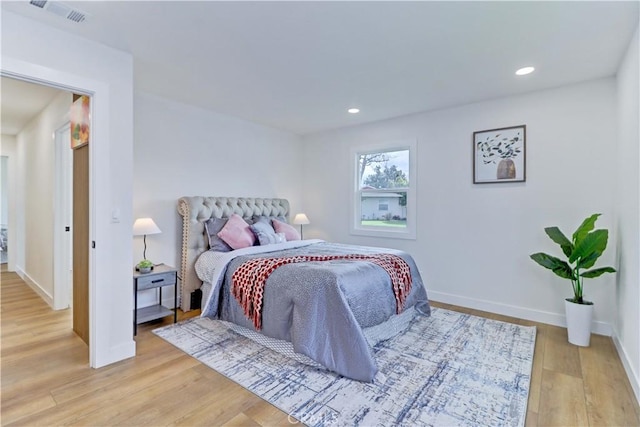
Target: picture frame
[80,122]
[499,155]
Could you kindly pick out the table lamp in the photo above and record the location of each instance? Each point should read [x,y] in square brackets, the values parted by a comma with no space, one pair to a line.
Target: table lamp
[142,227]
[301,219]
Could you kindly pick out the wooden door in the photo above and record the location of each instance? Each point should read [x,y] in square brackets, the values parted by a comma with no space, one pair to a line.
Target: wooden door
[81,242]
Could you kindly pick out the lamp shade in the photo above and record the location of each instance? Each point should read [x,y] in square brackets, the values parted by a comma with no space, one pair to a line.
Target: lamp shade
[301,219]
[144,226]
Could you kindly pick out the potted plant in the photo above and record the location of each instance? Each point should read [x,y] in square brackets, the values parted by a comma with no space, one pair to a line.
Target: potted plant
[582,252]
[144,266]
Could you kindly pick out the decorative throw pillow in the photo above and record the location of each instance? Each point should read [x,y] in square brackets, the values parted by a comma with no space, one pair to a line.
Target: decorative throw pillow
[290,233]
[236,233]
[212,227]
[264,232]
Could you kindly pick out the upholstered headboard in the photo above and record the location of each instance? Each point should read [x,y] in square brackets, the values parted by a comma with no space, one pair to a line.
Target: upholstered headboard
[195,210]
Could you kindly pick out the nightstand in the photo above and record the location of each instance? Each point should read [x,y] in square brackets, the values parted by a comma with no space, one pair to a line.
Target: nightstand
[162,275]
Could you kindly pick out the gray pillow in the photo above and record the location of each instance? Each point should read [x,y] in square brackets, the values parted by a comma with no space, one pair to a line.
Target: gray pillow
[212,227]
[264,232]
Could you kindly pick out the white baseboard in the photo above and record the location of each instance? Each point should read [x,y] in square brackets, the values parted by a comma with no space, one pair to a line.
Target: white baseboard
[167,297]
[149,297]
[600,328]
[633,376]
[48,298]
[168,302]
[117,353]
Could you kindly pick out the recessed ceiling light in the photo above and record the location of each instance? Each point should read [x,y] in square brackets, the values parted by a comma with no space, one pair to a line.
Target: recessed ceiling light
[353,110]
[524,71]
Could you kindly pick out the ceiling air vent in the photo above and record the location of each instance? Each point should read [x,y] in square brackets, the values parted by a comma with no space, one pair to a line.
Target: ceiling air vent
[38,3]
[76,16]
[60,9]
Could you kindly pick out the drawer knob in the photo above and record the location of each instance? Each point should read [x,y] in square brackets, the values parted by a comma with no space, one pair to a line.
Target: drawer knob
[157,281]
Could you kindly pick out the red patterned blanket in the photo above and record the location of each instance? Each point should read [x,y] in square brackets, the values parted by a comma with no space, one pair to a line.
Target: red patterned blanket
[249,279]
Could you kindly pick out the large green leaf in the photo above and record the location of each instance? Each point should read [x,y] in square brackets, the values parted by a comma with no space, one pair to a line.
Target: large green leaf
[556,235]
[586,226]
[588,261]
[596,272]
[596,241]
[561,268]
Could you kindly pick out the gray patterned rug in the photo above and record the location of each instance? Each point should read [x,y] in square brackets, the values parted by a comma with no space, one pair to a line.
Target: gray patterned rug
[450,369]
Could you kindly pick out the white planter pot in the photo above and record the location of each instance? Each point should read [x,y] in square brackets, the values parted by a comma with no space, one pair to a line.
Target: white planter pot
[579,322]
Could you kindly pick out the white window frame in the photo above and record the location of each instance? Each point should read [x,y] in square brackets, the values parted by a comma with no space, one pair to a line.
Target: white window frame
[356,227]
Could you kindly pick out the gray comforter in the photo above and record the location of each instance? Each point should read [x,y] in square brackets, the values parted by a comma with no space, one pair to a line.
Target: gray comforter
[322,307]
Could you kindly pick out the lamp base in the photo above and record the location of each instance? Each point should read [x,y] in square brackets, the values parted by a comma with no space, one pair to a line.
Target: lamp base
[138,269]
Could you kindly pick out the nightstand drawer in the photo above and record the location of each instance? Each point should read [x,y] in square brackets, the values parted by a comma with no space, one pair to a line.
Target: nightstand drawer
[156,280]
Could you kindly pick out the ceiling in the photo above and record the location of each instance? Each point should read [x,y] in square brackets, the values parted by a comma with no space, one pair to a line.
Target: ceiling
[298,66]
[20,102]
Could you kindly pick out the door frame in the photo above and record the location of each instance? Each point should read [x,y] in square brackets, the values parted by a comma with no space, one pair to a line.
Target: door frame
[7,195]
[62,245]
[99,345]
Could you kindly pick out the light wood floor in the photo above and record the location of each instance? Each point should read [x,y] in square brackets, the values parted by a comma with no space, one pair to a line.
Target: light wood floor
[46,380]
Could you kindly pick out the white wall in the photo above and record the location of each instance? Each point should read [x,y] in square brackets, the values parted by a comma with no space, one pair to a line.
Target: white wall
[36,177]
[181,150]
[46,54]
[8,149]
[4,197]
[474,241]
[627,321]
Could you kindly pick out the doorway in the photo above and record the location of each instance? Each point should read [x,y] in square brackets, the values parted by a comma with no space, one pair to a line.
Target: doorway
[42,205]
[107,79]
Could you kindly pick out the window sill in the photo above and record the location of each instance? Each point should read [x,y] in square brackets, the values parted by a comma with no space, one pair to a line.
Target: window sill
[390,234]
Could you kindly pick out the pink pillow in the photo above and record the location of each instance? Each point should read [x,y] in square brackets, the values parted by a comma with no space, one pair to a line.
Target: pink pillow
[290,233]
[236,233]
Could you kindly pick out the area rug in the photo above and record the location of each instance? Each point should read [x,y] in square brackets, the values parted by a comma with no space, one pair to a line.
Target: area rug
[450,369]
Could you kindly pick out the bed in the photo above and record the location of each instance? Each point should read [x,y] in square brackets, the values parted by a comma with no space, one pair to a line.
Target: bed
[319,296]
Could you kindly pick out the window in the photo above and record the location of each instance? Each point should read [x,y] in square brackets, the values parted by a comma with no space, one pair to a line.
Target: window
[384,198]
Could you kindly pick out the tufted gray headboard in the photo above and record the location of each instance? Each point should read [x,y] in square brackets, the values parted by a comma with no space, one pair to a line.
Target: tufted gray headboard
[197,209]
